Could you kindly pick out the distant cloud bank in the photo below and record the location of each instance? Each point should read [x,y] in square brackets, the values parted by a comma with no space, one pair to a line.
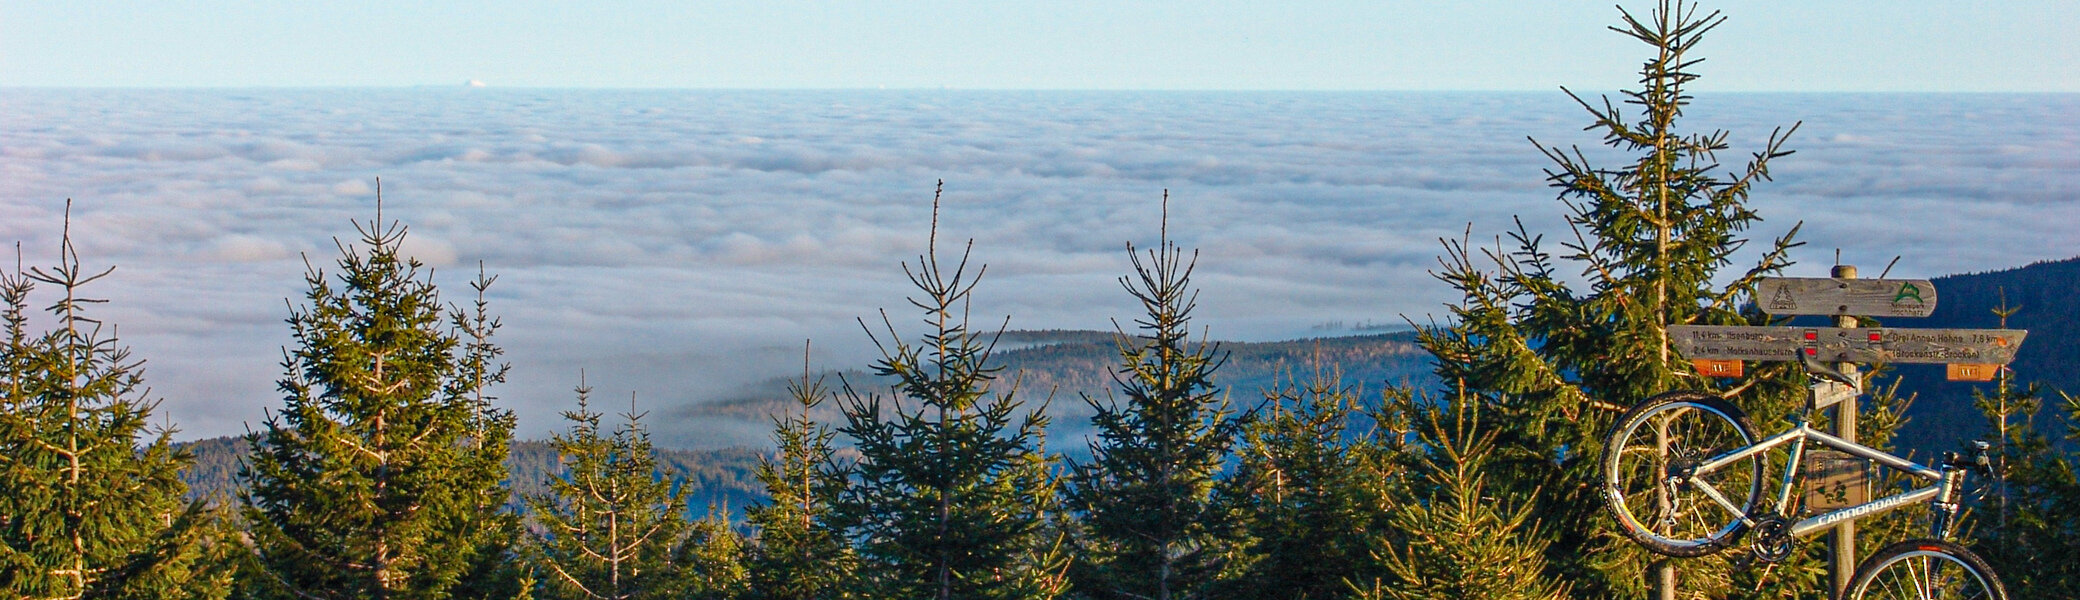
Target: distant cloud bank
[681,244]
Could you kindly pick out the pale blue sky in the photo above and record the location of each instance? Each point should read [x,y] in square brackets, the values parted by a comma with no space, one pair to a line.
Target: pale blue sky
[1769,45]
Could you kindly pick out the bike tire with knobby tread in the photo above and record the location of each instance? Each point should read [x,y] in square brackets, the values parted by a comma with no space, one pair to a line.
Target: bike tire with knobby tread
[1892,555]
[1613,495]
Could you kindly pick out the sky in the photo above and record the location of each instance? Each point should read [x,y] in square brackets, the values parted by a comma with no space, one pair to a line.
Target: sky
[1766,45]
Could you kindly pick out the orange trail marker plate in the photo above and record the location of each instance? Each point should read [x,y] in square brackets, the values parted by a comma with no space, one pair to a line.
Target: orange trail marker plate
[1717,368]
[1970,372]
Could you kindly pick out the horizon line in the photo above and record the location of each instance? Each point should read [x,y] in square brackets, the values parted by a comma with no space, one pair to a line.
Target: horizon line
[470,87]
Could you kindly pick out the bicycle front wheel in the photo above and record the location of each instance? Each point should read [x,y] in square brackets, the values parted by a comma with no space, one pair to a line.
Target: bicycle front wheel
[1925,570]
[1651,481]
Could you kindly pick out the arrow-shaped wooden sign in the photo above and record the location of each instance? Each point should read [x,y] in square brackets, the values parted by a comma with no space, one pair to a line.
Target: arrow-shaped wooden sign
[1848,344]
[1858,297]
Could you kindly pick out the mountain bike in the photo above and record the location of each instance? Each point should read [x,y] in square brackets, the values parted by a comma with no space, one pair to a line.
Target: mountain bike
[1685,476]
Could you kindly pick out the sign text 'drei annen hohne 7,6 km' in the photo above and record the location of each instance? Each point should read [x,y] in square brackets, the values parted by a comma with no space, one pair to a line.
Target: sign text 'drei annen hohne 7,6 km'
[1857,297]
[1848,344]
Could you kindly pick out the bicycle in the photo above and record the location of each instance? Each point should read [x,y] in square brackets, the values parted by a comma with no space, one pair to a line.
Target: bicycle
[1670,461]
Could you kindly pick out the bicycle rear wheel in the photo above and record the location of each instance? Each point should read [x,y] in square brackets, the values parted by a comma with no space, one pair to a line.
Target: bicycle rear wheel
[1647,480]
[1925,570]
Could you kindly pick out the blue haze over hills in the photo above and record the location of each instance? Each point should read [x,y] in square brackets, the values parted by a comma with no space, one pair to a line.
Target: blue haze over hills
[682,244]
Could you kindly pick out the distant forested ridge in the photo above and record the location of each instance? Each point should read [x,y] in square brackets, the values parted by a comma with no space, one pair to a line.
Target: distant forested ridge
[1065,362]
[721,477]
[1085,365]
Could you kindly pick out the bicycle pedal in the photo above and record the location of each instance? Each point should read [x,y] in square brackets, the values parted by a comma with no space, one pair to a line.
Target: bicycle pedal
[1747,560]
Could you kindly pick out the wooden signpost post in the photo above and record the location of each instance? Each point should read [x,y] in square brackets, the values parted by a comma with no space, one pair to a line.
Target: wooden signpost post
[1842,545]
[1969,354]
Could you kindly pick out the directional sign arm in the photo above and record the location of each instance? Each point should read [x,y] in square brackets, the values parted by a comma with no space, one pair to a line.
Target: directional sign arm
[1848,344]
[1846,297]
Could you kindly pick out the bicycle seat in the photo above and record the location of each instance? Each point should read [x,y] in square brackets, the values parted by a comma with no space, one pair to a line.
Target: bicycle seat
[1820,369]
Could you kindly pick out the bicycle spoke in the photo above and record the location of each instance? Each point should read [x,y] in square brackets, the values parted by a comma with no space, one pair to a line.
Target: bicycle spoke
[1718,498]
[1924,582]
[1654,492]
[1928,574]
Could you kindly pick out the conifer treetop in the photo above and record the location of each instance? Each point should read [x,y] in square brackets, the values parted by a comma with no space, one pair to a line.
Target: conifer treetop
[951,492]
[1557,342]
[382,473]
[92,503]
[1150,527]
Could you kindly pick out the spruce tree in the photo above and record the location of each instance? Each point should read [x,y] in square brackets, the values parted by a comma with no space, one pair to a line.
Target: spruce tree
[1149,524]
[486,520]
[610,526]
[382,475]
[2029,526]
[2044,493]
[1307,494]
[1558,361]
[1450,537]
[91,504]
[2031,531]
[800,554]
[952,490]
[714,559]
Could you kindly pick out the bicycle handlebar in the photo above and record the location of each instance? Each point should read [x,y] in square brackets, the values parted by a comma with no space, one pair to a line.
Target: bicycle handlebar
[1978,461]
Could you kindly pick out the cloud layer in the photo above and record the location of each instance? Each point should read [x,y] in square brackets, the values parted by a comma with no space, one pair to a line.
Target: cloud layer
[681,244]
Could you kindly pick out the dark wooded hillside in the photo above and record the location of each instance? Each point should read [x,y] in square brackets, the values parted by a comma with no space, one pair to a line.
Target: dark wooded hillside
[1943,416]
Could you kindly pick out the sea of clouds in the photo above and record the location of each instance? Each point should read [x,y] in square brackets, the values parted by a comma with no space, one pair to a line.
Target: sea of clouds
[679,245]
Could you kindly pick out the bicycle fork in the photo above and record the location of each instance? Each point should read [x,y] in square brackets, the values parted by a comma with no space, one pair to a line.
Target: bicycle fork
[1943,510]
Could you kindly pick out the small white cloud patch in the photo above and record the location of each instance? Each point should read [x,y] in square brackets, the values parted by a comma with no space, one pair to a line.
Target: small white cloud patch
[352,187]
[240,248]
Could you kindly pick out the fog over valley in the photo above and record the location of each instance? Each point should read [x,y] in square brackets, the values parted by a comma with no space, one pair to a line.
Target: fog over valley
[681,245]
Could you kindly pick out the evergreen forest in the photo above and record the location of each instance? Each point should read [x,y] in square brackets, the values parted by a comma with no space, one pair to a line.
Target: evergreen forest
[389,469]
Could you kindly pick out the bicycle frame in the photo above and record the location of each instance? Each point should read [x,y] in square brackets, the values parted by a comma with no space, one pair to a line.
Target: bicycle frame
[1942,490]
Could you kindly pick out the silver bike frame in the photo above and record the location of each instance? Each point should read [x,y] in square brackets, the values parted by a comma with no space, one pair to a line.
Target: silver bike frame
[1942,485]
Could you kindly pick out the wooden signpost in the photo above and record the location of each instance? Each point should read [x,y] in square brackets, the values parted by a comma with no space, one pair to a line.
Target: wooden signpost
[1968,354]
